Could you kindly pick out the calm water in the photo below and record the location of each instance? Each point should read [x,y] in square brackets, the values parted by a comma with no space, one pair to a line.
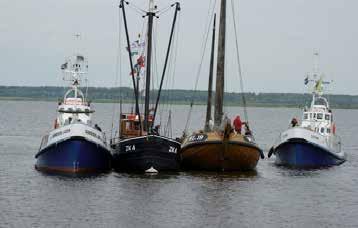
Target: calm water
[270,197]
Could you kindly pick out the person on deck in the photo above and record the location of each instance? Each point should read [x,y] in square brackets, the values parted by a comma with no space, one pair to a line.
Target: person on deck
[97,127]
[294,122]
[156,130]
[237,124]
[247,129]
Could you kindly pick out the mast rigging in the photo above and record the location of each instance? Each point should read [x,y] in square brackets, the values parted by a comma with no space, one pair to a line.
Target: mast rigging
[131,63]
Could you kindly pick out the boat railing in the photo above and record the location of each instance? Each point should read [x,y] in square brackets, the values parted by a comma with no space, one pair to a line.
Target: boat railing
[44,141]
[334,141]
[114,140]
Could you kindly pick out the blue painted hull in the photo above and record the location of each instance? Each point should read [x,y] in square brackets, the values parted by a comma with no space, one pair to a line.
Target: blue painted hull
[305,155]
[75,155]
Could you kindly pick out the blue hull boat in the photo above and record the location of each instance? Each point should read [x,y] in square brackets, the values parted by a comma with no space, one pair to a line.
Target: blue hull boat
[305,155]
[74,155]
[313,143]
[75,144]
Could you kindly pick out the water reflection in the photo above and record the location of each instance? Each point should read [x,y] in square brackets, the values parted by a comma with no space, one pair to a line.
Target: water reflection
[301,172]
[222,175]
[72,176]
[142,175]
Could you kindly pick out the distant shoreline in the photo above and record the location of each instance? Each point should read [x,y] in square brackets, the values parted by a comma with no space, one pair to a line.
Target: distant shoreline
[176,96]
[111,101]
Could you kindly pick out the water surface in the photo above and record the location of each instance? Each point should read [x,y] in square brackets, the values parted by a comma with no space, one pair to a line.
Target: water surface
[269,197]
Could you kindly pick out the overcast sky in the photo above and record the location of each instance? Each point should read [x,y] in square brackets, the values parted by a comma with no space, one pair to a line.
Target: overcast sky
[277,39]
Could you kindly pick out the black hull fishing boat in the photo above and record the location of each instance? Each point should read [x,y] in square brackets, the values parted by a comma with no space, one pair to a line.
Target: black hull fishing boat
[140,147]
[146,152]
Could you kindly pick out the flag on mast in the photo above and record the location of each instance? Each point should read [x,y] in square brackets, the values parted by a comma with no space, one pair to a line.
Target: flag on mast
[136,47]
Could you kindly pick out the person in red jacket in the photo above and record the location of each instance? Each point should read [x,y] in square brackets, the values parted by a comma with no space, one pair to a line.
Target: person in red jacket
[238,124]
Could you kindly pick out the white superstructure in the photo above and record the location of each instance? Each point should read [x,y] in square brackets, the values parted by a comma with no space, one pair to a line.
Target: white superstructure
[74,111]
[317,126]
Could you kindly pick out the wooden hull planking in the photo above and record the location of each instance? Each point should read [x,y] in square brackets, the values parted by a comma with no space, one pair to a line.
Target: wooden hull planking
[216,154]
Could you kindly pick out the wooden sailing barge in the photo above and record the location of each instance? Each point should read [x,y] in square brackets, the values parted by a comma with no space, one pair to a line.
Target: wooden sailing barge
[219,148]
[140,147]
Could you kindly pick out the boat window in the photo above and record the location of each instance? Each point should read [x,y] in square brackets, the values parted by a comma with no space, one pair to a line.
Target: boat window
[136,126]
[328,130]
[322,130]
[305,116]
[319,116]
[314,115]
[327,117]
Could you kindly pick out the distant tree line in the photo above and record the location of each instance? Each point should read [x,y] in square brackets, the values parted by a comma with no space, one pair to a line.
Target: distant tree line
[101,94]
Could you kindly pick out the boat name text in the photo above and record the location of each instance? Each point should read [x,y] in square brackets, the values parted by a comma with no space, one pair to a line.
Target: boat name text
[197,138]
[60,133]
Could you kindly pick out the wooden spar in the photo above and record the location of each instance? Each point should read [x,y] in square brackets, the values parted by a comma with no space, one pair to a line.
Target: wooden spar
[220,72]
[177,8]
[150,15]
[131,63]
[210,86]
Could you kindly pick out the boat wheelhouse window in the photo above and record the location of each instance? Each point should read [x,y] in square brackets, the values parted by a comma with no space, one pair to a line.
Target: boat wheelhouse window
[319,116]
[327,117]
[328,130]
[305,116]
[128,125]
[136,126]
[322,130]
[314,115]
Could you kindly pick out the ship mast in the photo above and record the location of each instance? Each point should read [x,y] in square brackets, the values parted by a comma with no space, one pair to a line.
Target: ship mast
[210,86]
[220,74]
[151,15]
[122,5]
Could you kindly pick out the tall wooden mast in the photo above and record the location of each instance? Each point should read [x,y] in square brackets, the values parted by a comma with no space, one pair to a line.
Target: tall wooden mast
[210,86]
[220,74]
[151,15]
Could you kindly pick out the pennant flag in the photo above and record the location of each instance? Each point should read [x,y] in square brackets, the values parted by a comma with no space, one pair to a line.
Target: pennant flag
[64,66]
[137,68]
[136,46]
[80,58]
[306,80]
[319,86]
[140,61]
